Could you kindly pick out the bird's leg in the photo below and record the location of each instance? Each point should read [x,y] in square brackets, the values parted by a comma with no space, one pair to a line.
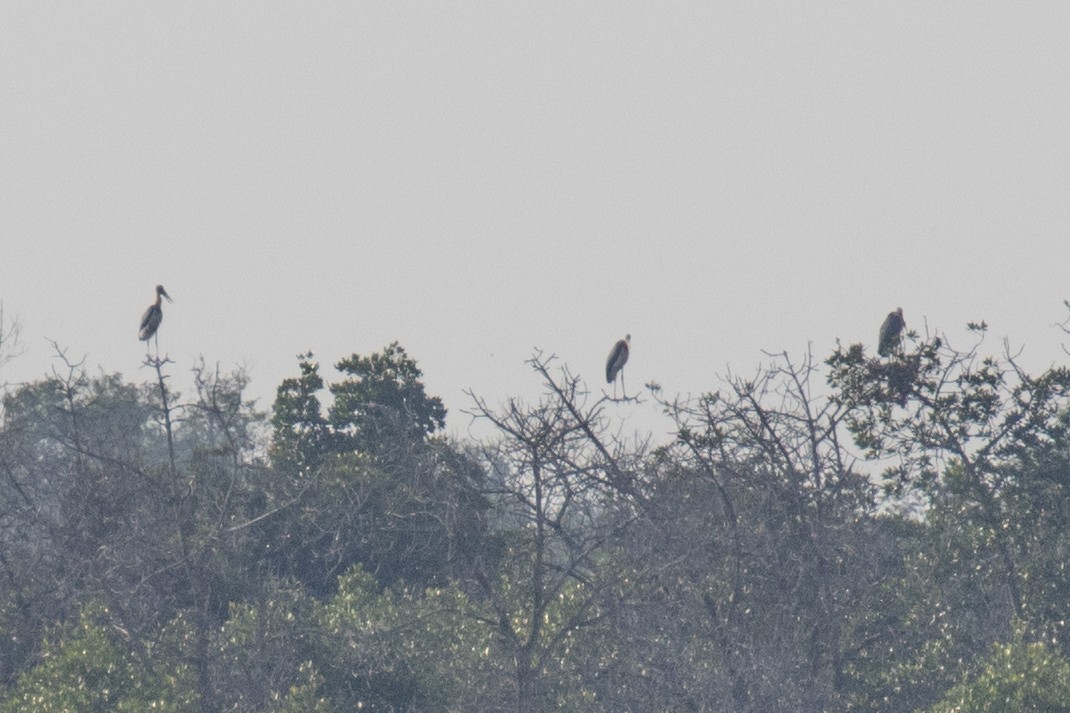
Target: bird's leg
[623,388]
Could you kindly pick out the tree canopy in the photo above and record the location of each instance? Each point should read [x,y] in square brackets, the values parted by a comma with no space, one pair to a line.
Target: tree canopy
[850,533]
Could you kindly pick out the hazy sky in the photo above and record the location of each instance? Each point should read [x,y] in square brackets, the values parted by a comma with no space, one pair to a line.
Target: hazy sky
[475,179]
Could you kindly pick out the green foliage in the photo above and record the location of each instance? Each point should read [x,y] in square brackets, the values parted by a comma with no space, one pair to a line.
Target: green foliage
[382,403]
[981,443]
[301,438]
[302,697]
[380,406]
[935,609]
[385,650]
[1019,676]
[89,668]
[263,652]
[937,402]
[368,485]
[369,563]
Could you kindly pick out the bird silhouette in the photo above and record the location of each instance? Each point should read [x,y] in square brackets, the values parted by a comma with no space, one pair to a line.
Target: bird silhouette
[150,321]
[618,357]
[890,331]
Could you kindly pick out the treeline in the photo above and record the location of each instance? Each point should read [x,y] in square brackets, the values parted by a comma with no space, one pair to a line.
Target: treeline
[854,534]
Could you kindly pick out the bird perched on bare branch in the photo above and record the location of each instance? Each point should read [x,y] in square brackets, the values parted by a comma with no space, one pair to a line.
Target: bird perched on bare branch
[890,331]
[618,357]
[150,321]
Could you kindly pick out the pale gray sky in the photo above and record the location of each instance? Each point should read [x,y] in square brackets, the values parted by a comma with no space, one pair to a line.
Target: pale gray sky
[476,179]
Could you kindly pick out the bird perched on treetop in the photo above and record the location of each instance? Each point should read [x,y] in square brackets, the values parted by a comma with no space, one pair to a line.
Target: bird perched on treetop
[150,321]
[618,357]
[890,331]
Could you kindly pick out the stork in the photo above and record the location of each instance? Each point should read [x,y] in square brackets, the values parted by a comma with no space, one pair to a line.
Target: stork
[150,321]
[890,331]
[618,357]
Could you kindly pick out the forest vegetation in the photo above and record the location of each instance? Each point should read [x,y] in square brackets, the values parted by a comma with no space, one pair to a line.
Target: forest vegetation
[841,533]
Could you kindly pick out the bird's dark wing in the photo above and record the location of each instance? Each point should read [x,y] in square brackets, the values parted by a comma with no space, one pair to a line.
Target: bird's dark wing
[889,333]
[617,358]
[150,322]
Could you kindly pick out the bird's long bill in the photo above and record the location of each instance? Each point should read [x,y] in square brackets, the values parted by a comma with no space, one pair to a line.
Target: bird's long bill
[164,293]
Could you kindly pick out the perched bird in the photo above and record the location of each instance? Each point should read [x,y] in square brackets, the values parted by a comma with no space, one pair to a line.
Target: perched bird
[150,321]
[890,331]
[618,357]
